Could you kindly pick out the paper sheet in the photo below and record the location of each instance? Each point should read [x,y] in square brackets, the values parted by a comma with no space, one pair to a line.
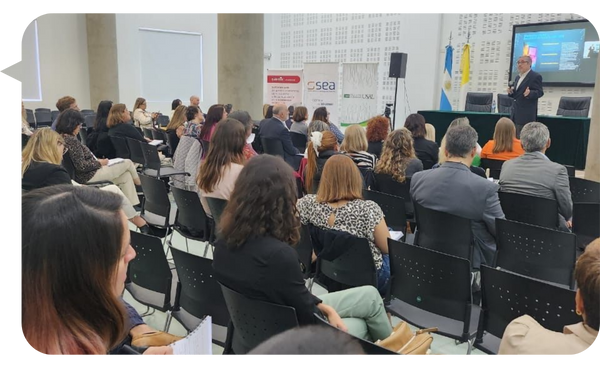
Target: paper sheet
[197,342]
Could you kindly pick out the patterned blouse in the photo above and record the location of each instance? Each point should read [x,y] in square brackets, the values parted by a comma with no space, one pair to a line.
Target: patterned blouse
[83,159]
[357,217]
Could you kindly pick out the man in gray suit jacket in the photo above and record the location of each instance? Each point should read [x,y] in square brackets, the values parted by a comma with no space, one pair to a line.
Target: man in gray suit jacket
[534,174]
[454,189]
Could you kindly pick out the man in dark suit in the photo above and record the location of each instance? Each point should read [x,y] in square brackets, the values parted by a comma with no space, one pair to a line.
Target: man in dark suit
[525,93]
[275,128]
[454,189]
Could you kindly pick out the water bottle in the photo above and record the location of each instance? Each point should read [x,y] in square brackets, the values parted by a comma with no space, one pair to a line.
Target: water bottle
[493,106]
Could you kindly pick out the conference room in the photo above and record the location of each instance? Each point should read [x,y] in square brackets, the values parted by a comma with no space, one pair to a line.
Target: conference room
[376,139]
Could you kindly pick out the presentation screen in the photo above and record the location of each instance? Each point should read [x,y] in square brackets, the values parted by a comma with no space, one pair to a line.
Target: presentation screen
[564,53]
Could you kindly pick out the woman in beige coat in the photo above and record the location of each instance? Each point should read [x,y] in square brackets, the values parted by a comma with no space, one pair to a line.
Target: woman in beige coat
[525,336]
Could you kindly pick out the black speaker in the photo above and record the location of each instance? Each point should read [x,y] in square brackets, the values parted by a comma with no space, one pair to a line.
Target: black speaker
[398,65]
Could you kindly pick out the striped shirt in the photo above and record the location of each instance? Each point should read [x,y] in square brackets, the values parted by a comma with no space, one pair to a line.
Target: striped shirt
[362,159]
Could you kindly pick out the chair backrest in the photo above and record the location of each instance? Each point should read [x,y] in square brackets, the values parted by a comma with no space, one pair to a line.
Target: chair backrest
[216,206]
[506,296]
[574,106]
[86,112]
[584,190]
[147,133]
[392,207]
[272,146]
[368,347]
[88,120]
[431,281]
[67,163]
[121,147]
[54,114]
[198,291]
[386,184]
[343,258]
[481,102]
[504,103]
[156,199]
[254,321]
[42,109]
[529,209]
[135,151]
[30,118]
[150,153]
[570,170]
[43,118]
[495,167]
[444,232]
[299,141]
[536,251]
[162,120]
[191,217]
[159,135]
[305,249]
[586,217]
[149,270]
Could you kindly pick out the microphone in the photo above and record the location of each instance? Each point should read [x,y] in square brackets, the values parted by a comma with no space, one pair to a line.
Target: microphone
[511,84]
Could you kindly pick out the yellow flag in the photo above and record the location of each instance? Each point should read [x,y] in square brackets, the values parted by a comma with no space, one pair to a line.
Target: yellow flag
[465,64]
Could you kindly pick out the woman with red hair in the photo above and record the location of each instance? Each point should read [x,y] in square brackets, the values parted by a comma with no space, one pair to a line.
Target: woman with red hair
[378,128]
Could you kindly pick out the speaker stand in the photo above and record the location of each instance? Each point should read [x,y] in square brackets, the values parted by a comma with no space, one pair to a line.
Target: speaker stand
[394,111]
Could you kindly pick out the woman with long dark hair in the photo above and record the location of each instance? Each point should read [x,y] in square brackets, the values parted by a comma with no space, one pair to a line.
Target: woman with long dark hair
[254,255]
[99,141]
[215,114]
[322,114]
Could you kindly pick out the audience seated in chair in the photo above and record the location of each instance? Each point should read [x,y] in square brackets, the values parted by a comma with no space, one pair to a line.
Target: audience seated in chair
[355,146]
[464,121]
[398,158]
[322,114]
[321,147]
[309,340]
[426,150]
[64,103]
[525,335]
[275,128]
[222,166]
[119,127]
[98,141]
[300,121]
[534,174]
[195,120]
[78,287]
[338,205]
[176,127]
[87,167]
[505,145]
[215,114]
[244,118]
[452,188]
[41,167]
[255,256]
[142,118]
[378,128]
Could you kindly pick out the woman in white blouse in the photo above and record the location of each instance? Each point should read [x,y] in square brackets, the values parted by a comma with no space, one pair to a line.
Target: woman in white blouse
[142,118]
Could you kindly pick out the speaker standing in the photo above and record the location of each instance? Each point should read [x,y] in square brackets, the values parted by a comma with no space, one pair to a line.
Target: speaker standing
[525,93]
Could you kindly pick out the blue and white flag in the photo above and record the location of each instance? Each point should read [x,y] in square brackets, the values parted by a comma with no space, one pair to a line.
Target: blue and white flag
[447,81]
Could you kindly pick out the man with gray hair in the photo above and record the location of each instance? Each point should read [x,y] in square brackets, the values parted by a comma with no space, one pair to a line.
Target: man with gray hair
[534,174]
[454,189]
[525,92]
[276,130]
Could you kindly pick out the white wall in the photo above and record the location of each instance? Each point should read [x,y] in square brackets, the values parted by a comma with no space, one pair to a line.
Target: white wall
[378,35]
[129,54]
[63,60]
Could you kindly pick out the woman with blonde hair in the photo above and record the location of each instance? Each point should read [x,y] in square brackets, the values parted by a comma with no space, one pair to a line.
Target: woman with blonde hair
[117,125]
[339,205]
[176,127]
[430,135]
[398,158]
[321,147]
[25,128]
[142,118]
[505,145]
[355,146]
[462,121]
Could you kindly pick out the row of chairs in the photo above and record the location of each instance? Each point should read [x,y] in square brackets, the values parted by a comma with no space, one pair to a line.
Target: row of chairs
[44,117]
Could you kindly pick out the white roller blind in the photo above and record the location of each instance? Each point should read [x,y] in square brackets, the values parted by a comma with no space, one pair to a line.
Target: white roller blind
[171,64]
[30,65]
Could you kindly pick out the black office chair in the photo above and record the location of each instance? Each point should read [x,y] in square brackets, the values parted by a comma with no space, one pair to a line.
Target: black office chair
[570,170]
[529,209]
[150,277]
[31,118]
[444,232]
[504,103]
[254,321]
[156,207]
[386,184]
[368,347]
[432,289]
[191,221]
[135,152]
[305,250]
[88,121]
[86,112]
[162,120]
[506,296]
[43,118]
[392,207]
[481,102]
[535,251]
[121,147]
[495,167]
[153,165]
[54,114]
[216,206]
[42,109]
[586,217]
[574,106]
[299,141]
[147,133]
[584,190]
[199,294]
[272,146]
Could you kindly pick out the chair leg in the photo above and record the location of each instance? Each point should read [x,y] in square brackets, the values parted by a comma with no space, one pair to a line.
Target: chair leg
[168,321]
[310,284]
[205,250]
[470,346]
[187,249]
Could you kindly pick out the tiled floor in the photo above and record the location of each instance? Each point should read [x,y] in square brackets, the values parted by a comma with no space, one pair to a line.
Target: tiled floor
[440,345]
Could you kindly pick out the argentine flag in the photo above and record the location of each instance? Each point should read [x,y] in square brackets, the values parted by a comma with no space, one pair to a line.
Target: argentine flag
[447,81]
